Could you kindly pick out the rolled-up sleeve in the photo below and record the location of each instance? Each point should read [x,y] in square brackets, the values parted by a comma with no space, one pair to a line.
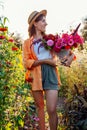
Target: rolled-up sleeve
[27,58]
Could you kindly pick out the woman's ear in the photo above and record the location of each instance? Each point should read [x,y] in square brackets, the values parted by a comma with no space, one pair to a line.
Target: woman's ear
[35,24]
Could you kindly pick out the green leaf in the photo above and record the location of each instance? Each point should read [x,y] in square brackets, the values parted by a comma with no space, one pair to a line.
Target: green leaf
[20,121]
[5,19]
[1,96]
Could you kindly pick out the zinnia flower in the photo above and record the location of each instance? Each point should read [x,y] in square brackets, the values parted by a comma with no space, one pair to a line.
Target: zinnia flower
[78,39]
[2,37]
[3,29]
[64,41]
[50,42]
[71,42]
[10,40]
[14,48]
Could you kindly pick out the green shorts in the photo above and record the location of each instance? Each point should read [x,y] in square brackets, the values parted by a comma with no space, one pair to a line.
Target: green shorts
[49,77]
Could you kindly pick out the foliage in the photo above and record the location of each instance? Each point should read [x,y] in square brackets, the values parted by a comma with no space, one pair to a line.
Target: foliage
[76,110]
[14,92]
[76,74]
[17,108]
[18,41]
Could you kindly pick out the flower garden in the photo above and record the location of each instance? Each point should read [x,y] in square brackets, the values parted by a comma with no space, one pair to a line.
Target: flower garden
[17,109]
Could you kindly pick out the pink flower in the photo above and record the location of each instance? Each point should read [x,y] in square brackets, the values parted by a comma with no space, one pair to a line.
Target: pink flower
[58,45]
[36,119]
[64,41]
[71,41]
[78,39]
[50,42]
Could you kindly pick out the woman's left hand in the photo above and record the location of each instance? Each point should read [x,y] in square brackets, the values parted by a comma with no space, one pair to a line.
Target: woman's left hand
[68,60]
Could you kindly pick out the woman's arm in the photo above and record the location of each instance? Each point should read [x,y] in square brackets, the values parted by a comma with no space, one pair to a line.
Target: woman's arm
[26,54]
[52,62]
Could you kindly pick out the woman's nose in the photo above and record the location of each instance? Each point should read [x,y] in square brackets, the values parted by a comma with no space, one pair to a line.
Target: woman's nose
[46,24]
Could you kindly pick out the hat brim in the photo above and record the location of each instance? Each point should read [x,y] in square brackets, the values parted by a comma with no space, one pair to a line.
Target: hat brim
[44,12]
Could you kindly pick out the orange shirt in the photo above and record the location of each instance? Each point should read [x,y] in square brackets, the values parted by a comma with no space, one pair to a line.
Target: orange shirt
[29,57]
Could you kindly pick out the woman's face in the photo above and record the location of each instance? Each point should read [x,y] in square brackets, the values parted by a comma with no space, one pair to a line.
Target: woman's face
[41,25]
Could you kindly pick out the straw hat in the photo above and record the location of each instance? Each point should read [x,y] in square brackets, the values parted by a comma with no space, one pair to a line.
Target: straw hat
[34,15]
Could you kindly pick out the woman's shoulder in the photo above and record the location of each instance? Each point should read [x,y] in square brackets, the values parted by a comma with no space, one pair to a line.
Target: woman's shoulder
[28,40]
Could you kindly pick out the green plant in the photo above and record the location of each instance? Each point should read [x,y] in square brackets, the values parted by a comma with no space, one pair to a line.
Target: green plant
[14,92]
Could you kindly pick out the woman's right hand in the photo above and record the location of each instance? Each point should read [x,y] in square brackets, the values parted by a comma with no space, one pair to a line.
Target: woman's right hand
[52,62]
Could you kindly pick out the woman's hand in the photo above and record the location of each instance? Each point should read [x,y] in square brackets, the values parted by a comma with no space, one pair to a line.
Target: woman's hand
[52,62]
[68,60]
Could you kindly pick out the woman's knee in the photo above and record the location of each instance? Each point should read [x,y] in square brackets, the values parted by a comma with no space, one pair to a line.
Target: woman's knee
[51,110]
[40,105]
[39,99]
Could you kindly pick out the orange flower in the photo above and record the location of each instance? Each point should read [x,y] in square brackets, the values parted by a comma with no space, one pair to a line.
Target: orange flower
[74,57]
[13,86]
[28,77]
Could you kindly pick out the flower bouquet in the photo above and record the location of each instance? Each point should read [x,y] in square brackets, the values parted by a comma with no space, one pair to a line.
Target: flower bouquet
[62,45]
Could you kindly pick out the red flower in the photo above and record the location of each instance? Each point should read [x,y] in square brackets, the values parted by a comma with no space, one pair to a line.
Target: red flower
[75,45]
[11,40]
[49,37]
[8,62]
[14,48]
[3,29]
[67,47]
[30,80]
[28,77]
[2,37]
[64,41]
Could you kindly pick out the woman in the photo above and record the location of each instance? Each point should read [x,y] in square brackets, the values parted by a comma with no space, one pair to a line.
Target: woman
[42,69]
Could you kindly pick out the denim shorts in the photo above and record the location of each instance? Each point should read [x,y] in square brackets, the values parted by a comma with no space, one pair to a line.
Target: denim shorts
[49,77]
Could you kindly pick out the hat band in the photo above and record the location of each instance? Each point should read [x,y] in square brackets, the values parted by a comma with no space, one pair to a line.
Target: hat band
[33,17]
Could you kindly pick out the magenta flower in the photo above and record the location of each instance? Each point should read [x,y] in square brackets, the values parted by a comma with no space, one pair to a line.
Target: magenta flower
[50,42]
[71,42]
[36,118]
[65,38]
[78,39]
[62,41]
[58,45]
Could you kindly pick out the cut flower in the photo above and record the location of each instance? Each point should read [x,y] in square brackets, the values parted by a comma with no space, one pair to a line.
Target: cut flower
[65,41]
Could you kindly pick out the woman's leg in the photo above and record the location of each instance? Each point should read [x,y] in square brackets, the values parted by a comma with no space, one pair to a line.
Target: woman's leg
[51,102]
[39,101]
